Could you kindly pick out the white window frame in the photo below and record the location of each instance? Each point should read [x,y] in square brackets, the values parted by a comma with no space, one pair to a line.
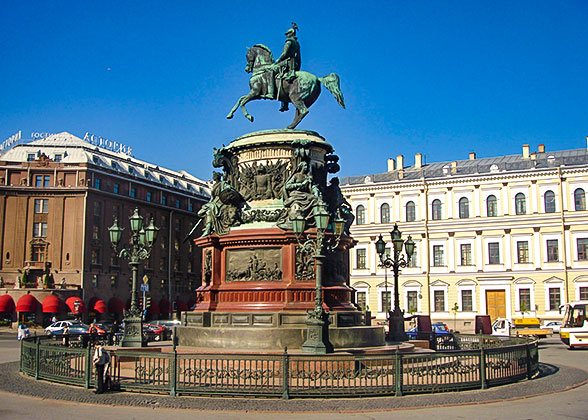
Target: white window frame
[554,283]
[439,286]
[581,281]
[381,290]
[466,284]
[362,286]
[412,286]
[524,283]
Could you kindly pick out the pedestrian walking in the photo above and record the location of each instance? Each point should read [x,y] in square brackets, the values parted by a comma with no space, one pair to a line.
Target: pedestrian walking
[101,362]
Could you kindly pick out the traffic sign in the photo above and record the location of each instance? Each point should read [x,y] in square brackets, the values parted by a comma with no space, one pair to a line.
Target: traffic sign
[144,287]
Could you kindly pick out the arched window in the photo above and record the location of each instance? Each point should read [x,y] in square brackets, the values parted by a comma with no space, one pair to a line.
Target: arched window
[464,208]
[385,213]
[549,200]
[410,212]
[491,206]
[360,215]
[579,199]
[520,204]
[436,207]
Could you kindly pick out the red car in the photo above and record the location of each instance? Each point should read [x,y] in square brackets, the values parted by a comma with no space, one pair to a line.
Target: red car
[155,332]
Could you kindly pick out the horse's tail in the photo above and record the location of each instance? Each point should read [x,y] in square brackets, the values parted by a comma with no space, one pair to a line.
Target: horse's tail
[331,82]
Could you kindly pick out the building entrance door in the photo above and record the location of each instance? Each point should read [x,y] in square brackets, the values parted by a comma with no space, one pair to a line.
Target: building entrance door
[496,304]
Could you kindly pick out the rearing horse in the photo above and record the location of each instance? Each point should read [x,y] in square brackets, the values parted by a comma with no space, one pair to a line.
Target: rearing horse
[303,91]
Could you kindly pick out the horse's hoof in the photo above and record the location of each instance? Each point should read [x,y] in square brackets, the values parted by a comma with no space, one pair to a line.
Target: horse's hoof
[249,117]
[229,116]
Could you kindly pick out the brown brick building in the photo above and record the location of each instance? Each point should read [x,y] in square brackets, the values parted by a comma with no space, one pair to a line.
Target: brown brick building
[58,197]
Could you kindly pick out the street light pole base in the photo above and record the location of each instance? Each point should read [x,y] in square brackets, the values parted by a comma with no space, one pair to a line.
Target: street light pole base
[317,334]
[396,326]
[133,333]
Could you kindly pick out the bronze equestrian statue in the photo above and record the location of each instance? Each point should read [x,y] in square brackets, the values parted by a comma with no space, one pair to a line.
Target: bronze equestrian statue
[282,80]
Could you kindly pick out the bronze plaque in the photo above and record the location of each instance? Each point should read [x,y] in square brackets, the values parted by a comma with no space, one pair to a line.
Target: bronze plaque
[254,264]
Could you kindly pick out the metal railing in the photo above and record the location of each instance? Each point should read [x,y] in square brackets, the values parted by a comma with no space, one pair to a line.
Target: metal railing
[464,362]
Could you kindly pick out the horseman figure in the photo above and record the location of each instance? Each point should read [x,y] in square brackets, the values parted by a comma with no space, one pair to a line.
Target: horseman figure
[293,85]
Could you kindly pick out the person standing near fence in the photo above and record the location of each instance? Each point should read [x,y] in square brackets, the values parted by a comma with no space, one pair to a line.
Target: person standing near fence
[101,362]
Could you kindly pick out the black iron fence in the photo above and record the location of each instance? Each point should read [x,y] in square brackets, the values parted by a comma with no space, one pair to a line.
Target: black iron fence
[463,362]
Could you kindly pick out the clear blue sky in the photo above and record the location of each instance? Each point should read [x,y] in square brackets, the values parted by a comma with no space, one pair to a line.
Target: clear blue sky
[438,77]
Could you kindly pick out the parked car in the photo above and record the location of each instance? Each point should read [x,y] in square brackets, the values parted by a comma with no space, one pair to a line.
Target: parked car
[440,328]
[155,332]
[74,329]
[169,323]
[60,325]
[554,325]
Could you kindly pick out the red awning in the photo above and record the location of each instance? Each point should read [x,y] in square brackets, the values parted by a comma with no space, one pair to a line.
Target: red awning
[27,303]
[71,304]
[6,303]
[97,305]
[164,306]
[181,305]
[153,309]
[52,304]
[115,306]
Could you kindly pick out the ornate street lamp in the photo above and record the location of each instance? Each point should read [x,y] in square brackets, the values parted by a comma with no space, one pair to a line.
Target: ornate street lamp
[142,240]
[317,321]
[395,318]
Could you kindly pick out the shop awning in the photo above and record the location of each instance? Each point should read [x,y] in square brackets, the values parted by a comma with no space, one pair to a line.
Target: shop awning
[97,305]
[27,303]
[71,304]
[164,306]
[6,303]
[115,306]
[52,304]
[181,305]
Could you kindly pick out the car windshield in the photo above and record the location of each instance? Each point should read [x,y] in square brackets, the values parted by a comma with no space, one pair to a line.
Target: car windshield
[441,327]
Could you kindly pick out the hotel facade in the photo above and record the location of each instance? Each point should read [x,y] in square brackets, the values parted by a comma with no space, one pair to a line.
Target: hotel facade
[58,197]
[504,236]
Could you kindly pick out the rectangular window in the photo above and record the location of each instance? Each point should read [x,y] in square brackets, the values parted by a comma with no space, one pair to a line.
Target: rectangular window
[30,157]
[554,298]
[385,304]
[522,252]
[46,181]
[361,258]
[583,293]
[177,203]
[97,182]
[133,192]
[466,254]
[163,199]
[38,253]
[438,259]
[97,208]
[40,230]
[412,301]
[552,250]
[149,196]
[525,300]
[57,158]
[493,253]
[439,300]
[96,232]
[582,249]
[467,303]
[39,181]
[95,256]
[190,205]
[41,206]
[116,188]
[361,300]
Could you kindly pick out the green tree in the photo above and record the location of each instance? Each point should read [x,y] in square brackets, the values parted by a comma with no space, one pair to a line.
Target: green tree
[455,310]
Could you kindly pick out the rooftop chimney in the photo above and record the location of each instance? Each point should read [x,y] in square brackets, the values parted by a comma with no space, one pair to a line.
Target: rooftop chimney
[391,165]
[454,167]
[541,148]
[472,155]
[526,151]
[400,162]
[418,161]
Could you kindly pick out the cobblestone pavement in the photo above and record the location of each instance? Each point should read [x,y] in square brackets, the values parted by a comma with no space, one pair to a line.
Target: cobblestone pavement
[510,401]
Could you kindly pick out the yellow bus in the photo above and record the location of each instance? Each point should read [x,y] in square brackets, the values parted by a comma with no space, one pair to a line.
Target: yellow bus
[574,329]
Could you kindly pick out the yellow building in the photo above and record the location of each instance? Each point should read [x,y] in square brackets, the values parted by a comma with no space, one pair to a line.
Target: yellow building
[504,236]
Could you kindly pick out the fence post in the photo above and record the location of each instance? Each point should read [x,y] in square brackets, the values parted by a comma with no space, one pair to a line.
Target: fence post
[88,372]
[173,372]
[529,364]
[398,373]
[483,384]
[285,375]
[37,356]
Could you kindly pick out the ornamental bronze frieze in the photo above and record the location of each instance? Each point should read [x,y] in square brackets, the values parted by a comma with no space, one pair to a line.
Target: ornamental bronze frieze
[261,264]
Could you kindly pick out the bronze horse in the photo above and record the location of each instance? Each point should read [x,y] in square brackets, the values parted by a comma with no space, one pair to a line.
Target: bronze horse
[303,91]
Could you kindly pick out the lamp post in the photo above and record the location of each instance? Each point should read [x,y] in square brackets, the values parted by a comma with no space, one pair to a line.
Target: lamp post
[395,318]
[142,240]
[317,321]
